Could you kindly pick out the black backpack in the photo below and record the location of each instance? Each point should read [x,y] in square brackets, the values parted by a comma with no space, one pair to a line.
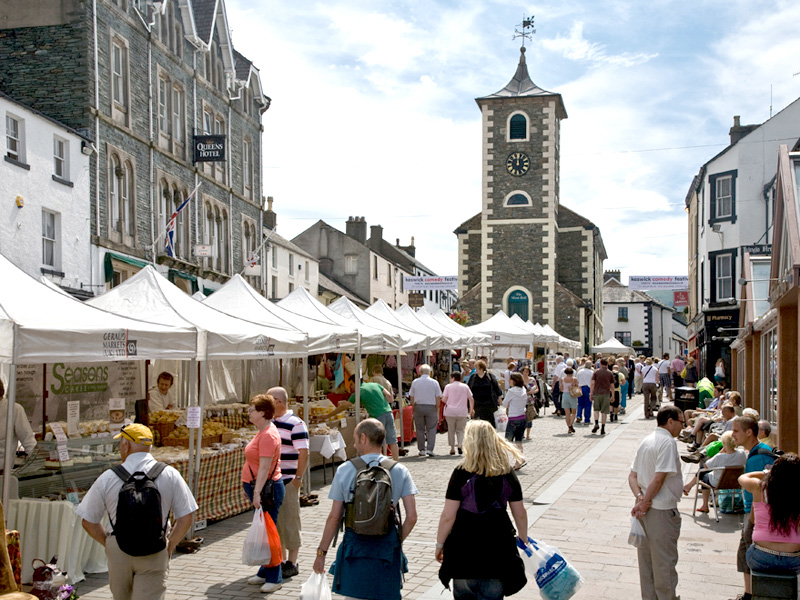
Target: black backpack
[140,528]
[372,511]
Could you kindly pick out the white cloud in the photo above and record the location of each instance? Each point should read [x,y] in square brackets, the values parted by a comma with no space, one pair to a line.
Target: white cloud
[576,47]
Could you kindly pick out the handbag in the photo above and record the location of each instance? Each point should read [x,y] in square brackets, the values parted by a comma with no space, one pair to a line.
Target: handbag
[574,387]
[441,427]
[268,491]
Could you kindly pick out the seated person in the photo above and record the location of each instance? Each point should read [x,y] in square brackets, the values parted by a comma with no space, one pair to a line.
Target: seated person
[728,457]
[690,416]
[776,512]
[765,432]
[735,398]
[710,432]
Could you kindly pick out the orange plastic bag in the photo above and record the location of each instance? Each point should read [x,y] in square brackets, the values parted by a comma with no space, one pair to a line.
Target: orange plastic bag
[274,541]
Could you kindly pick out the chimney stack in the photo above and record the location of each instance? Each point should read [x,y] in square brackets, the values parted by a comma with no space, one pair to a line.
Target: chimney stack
[376,232]
[356,228]
[738,131]
[270,218]
[612,274]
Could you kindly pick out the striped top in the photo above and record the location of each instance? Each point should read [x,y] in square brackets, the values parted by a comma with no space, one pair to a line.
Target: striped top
[294,437]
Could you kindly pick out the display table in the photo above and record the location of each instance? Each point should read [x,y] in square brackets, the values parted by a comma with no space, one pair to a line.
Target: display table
[219,493]
[48,528]
[327,446]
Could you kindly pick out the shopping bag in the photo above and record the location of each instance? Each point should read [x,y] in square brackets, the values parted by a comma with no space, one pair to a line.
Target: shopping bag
[273,541]
[556,578]
[636,536]
[256,550]
[316,588]
[500,419]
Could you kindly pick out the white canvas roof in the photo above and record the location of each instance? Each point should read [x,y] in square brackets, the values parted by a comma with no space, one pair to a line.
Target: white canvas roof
[612,345]
[503,331]
[150,295]
[449,339]
[381,310]
[375,338]
[539,335]
[409,340]
[238,298]
[439,316]
[41,325]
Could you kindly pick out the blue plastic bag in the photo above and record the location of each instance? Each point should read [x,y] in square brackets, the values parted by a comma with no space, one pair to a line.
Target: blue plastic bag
[556,578]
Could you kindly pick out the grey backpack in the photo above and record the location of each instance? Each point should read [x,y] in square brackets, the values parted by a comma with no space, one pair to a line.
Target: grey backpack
[371,511]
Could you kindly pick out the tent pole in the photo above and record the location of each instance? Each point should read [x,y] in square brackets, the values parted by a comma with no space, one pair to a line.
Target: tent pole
[10,450]
[199,440]
[193,370]
[359,375]
[304,370]
[400,399]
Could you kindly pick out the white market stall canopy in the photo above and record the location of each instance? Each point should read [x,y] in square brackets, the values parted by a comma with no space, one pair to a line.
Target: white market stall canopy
[375,338]
[409,340]
[612,346]
[415,322]
[381,310]
[436,318]
[540,336]
[41,325]
[562,341]
[239,299]
[221,336]
[503,331]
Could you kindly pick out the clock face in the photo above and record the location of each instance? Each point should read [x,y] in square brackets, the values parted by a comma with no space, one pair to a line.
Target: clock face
[518,163]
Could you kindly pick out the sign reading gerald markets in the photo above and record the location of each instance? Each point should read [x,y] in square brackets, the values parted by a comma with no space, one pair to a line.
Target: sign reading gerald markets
[658,282]
[209,148]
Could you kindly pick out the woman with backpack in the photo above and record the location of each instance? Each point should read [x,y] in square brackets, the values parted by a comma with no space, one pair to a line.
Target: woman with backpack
[476,542]
[485,391]
[261,477]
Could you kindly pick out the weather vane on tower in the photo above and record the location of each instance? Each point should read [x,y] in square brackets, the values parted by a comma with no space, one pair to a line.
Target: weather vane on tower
[524,30]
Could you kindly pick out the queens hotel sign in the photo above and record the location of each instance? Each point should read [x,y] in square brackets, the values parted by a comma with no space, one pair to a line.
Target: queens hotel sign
[209,148]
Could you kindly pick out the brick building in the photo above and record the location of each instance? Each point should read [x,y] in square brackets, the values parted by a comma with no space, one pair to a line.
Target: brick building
[140,79]
[525,252]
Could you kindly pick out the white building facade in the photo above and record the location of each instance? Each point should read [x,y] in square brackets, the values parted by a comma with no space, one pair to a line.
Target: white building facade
[46,218]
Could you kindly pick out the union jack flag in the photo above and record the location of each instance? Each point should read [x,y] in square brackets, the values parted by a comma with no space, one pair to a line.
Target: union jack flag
[169,246]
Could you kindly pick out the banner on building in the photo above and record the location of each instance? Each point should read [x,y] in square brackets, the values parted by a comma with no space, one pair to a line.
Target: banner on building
[433,282]
[680,299]
[209,148]
[658,282]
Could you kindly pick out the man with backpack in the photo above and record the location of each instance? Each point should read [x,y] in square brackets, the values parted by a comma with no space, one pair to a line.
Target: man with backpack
[138,496]
[366,494]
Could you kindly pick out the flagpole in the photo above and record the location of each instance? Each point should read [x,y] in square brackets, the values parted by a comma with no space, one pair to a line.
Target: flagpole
[258,250]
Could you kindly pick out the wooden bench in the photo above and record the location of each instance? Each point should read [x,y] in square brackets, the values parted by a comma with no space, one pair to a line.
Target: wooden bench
[773,586]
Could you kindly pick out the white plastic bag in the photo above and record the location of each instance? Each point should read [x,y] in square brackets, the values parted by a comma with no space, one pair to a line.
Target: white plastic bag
[637,536]
[256,545]
[500,419]
[556,578]
[316,588]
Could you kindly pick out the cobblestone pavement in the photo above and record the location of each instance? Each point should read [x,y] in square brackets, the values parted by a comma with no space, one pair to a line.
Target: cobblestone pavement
[578,498]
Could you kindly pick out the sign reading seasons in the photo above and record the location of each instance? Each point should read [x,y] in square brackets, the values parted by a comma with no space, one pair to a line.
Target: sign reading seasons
[658,282]
[209,148]
[433,282]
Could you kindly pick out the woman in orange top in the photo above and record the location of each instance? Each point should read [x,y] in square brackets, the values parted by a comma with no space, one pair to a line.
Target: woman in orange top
[262,462]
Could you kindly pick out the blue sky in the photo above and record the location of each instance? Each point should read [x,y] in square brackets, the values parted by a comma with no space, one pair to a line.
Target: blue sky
[373,110]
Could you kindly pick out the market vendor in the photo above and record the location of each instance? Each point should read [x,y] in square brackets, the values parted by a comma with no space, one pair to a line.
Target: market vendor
[377,402]
[161,396]
[22,432]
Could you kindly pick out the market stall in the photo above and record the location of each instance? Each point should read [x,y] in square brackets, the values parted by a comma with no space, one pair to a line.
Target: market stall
[41,326]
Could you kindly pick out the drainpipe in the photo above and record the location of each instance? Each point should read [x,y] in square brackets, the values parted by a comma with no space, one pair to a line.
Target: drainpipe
[97,142]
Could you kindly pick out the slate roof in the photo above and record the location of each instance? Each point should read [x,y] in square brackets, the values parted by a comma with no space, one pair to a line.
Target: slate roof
[337,288]
[471,224]
[204,11]
[521,86]
[616,293]
[242,66]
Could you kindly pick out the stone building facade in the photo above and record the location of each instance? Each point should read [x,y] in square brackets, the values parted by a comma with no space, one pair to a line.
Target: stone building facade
[140,79]
[524,252]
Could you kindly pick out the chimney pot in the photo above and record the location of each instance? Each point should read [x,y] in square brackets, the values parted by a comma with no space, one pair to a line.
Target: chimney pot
[736,120]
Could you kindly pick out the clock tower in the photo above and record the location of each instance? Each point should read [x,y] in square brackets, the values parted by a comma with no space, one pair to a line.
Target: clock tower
[520,161]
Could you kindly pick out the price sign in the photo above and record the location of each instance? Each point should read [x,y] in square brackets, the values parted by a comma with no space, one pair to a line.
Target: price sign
[73,417]
[343,423]
[63,454]
[58,432]
[193,417]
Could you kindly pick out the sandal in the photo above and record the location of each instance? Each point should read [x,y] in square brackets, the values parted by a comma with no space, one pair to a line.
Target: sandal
[700,510]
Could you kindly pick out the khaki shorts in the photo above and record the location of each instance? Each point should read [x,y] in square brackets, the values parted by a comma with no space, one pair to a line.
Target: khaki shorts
[601,403]
[289,519]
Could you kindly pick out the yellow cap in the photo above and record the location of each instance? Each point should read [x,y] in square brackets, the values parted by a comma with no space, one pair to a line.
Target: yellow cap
[137,433]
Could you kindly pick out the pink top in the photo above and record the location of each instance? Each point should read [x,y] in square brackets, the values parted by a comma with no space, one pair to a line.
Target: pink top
[456,397]
[762,531]
[266,443]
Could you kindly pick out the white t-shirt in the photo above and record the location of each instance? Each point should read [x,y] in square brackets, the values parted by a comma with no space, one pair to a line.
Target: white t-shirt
[638,366]
[515,401]
[721,459]
[658,453]
[650,374]
[102,496]
[584,377]
[159,401]
[663,367]
[559,370]
[425,390]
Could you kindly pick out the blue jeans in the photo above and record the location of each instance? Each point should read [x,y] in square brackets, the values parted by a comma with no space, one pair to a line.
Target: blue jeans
[271,574]
[623,392]
[477,589]
[515,429]
[585,406]
[758,560]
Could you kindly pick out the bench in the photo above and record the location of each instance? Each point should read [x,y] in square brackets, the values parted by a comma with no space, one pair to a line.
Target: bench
[772,586]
